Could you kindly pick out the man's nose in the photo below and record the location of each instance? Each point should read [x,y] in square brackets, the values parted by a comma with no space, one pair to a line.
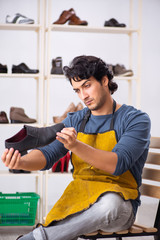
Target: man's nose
[84,95]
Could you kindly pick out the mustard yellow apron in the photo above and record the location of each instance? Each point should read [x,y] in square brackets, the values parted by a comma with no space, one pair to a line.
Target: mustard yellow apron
[89,182]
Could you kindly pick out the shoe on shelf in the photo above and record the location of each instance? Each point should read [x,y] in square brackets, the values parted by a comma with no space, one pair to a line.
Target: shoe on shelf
[18,171]
[65,16]
[17,115]
[57,66]
[120,70]
[32,137]
[23,68]
[19,18]
[113,23]
[75,20]
[3,68]
[79,107]
[70,108]
[3,117]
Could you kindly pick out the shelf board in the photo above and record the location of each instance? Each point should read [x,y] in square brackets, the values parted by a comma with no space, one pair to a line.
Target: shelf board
[19,75]
[55,76]
[9,174]
[69,28]
[20,124]
[13,26]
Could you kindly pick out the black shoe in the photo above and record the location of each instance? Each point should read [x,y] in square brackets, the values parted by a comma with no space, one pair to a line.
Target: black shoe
[32,137]
[113,23]
[18,171]
[57,66]
[3,68]
[23,68]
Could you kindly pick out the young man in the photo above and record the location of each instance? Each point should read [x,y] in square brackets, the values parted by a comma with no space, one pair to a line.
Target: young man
[109,144]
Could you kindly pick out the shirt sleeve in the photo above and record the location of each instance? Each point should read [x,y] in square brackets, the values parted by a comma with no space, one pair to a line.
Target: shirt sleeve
[134,142]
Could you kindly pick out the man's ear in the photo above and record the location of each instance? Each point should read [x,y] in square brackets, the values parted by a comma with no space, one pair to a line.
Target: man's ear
[105,81]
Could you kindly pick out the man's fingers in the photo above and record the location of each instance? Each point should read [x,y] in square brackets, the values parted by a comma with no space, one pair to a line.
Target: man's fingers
[3,157]
[15,160]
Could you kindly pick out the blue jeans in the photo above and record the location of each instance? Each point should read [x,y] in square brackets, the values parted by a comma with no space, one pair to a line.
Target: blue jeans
[110,213]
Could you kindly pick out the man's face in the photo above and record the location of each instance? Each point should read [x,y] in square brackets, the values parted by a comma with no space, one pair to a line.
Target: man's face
[91,92]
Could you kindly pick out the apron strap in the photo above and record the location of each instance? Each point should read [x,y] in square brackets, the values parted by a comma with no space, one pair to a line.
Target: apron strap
[112,120]
[87,116]
[85,120]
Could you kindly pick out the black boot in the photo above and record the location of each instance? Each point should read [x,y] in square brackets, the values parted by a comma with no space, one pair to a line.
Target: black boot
[32,137]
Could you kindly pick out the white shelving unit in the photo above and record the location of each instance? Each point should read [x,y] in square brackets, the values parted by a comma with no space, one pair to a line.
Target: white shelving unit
[39,29]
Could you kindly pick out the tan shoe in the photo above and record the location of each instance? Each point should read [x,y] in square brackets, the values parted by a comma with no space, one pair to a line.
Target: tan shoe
[17,115]
[79,107]
[65,16]
[71,108]
[74,20]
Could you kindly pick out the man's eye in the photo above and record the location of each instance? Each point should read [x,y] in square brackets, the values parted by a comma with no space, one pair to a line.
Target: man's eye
[87,85]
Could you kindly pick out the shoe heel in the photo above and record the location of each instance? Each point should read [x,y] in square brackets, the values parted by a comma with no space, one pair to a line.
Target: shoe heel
[15,121]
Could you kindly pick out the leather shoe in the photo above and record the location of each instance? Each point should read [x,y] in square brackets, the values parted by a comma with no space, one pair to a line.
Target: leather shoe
[23,68]
[3,117]
[17,115]
[3,68]
[32,137]
[70,108]
[113,23]
[65,16]
[75,20]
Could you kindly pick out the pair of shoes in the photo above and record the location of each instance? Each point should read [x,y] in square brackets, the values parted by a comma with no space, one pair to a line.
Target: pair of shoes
[120,70]
[17,115]
[70,16]
[57,66]
[3,68]
[32,137]
[113,23]
[23,68]
[62,164]
[19,18]
[3,117]
[71,108]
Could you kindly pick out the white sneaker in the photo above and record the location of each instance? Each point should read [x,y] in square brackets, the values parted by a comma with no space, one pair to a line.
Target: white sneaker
[18,18]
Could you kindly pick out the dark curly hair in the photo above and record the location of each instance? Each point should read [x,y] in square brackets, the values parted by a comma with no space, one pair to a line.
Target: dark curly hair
[83,67]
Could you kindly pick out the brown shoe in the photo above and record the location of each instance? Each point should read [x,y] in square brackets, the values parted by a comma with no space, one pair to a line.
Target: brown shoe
[65,16]
[74,20]
[71,108]
[17,115]
[3,117]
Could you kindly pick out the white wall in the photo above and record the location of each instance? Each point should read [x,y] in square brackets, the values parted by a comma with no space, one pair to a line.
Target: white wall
[17,47]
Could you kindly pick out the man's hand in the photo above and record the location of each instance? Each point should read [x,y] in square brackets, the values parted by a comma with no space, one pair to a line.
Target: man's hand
[68,136]
[11,159]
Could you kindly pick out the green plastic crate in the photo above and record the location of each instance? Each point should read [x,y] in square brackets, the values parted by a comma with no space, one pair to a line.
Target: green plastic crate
[18,209]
